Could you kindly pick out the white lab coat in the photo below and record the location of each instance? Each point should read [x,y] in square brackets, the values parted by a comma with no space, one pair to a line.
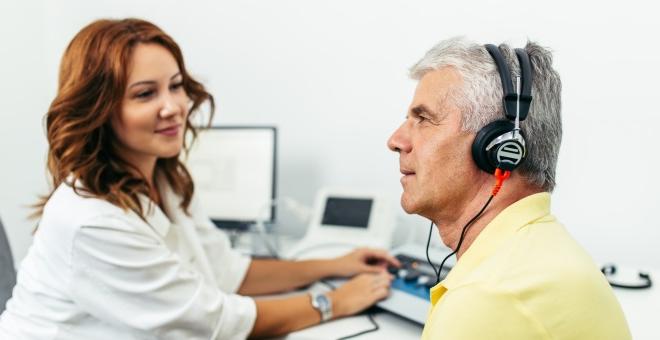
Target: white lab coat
[95,271]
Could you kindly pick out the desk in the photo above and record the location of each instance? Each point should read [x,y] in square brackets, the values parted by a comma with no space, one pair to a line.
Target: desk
[391,327]
[641,307]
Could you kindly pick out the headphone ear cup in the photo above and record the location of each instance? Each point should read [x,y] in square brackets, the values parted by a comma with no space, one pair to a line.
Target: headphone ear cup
[487,134]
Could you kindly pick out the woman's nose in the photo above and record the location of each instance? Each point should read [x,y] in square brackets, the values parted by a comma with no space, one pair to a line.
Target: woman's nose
[169,108]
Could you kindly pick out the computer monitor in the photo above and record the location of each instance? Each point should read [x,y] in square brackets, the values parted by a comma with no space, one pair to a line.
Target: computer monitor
[234,169]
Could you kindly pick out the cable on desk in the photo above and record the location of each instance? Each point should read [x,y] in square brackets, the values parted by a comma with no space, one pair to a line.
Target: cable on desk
[375,328]
[370,315]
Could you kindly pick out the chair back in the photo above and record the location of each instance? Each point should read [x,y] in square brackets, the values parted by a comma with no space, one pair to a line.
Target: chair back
[7,271]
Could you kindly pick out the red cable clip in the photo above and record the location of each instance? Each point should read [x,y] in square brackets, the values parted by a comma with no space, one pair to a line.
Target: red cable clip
[501,176]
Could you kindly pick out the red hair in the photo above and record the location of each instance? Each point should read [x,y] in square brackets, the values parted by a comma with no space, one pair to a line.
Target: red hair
[92,82]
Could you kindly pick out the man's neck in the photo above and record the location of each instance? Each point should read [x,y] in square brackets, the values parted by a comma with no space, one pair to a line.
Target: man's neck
[512,191]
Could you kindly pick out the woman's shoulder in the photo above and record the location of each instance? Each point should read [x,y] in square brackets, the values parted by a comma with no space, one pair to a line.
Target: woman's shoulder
[76,207]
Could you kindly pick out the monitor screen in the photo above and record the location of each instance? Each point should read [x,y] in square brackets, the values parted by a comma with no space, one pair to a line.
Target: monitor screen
[347,212]
[234,173]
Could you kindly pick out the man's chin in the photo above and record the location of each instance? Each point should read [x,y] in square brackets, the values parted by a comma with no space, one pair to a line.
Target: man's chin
[407,205]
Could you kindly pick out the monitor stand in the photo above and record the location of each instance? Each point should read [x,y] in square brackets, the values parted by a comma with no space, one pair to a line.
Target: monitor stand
[232,225]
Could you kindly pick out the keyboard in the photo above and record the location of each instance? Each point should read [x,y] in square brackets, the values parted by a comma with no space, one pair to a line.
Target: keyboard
[410,293]
[414,277]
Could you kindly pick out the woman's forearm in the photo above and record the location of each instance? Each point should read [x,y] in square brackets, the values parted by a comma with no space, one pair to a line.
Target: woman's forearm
[281,316]
[274,276]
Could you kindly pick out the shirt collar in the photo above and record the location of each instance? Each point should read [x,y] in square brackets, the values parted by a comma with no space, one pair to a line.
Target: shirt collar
[501,228]
[158,219]
[154,216]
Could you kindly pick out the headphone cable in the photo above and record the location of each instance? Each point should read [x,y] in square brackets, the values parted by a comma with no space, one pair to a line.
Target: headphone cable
[428,258]
[500,176]
[460,241]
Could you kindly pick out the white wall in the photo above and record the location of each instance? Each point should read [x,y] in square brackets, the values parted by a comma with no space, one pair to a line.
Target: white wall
[24,97]
[332,75]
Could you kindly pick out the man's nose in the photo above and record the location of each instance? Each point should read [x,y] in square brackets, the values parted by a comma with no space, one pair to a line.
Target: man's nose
[399,140]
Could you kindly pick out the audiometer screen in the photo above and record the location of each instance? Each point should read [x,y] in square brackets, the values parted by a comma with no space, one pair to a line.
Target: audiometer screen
[347,212]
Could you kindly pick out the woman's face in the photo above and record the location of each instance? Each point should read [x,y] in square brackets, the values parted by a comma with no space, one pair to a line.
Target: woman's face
[154,110]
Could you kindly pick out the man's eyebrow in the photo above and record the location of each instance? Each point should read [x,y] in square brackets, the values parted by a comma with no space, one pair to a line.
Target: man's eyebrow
[434,117]
[421,109]
[147,82]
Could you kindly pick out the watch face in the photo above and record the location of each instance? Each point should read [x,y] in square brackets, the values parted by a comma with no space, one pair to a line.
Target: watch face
[323,302]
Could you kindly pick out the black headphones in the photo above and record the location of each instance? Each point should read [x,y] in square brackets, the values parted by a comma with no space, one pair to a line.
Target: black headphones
[501,144]
[610,269]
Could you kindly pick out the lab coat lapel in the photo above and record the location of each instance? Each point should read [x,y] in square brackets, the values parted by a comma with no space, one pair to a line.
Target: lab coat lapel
[155,217]
[186,224]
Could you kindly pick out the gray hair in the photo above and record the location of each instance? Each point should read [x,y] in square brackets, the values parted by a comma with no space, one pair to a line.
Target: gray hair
[480,98]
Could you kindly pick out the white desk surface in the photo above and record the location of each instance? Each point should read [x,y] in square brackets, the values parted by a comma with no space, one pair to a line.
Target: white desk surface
[390,325]
[641,307]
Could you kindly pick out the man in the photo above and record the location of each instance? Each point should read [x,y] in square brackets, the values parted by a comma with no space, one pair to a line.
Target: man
[519,273]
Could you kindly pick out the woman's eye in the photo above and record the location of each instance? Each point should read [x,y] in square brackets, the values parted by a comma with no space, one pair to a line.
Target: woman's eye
[144,94]
[176,86]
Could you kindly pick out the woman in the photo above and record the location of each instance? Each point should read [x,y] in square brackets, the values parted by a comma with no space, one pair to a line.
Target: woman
[122,250]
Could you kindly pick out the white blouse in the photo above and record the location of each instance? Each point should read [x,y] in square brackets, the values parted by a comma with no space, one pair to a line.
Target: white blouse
[95,271]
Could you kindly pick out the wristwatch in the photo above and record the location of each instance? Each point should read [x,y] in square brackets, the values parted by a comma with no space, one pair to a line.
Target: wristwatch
[322,303]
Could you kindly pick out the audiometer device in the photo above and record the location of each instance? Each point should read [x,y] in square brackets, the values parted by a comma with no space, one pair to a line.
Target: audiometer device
[343,220]
[410,291]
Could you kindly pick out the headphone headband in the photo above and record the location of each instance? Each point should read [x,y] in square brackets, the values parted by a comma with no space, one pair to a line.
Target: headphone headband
[526,80]
[511,99]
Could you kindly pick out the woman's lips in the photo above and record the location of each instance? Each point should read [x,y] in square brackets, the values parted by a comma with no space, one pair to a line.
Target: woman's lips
[169,131]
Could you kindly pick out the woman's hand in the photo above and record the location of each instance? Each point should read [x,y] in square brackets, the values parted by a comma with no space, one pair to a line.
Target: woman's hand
[363,260]
[360,292]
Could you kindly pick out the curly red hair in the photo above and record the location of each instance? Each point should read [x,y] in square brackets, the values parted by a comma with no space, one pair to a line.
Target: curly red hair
[92,81]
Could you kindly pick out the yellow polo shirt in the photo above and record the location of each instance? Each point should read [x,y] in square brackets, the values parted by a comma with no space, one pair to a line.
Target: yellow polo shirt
[524,277]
